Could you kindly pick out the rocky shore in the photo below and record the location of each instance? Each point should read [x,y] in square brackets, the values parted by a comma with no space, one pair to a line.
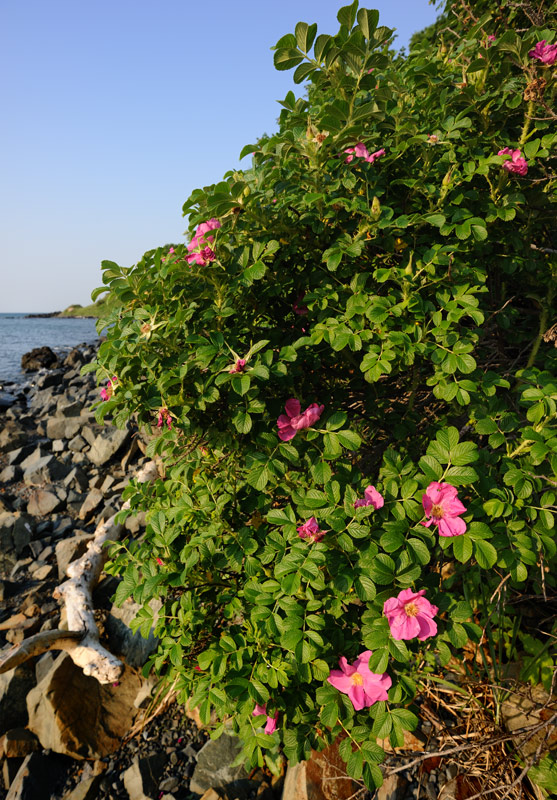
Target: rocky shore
[64,736]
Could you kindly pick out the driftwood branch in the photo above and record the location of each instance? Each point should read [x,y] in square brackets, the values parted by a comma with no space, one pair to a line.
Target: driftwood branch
[81,640]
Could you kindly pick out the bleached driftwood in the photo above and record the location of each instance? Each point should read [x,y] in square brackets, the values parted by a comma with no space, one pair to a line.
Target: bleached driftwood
[81,640]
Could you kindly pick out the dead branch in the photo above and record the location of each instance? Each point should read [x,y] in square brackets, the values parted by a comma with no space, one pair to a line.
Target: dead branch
[81,640]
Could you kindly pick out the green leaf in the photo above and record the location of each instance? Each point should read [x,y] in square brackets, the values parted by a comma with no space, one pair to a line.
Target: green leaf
[349,439]
[367,20]
[242,422]
[347,14]
[462,548]
[485,553]
[255,272]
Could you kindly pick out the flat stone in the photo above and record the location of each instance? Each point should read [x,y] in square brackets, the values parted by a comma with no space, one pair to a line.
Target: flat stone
[58,446]
[87,789]
[33,458]
[92,501]
[19,454]
[41,503]
[107,445]
[72,426]
[43,573]
[12,436]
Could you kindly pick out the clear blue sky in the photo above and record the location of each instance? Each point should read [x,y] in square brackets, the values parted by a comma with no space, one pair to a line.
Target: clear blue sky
[114,110]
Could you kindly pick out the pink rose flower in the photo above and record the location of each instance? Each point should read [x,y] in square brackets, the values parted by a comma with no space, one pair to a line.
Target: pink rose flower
[199,251]
[516,163]
[164,416]
[432,138]
[490,39]
[107,392]
[361,151]
[545,53]
[442,508]
[261,711]
[159,561]
[410,615]
[293,421]
[239,366]
[310,530]
[371,498]
[363,687]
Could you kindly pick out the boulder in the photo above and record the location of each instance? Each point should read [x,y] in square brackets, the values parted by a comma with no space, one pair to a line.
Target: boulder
[141,779]
[56,428]
[75,358]
[52,378]
[67,407]
[107,444]
[74,714]
[14,687]
[6,400]
[38,358]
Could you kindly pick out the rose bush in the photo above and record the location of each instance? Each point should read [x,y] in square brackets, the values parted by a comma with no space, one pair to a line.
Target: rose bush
[384,263]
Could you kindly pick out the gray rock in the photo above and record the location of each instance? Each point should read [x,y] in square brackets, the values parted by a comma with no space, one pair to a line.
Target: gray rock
[214,764]
[43,666]
[33,458]
[52,378]
[46,470]
[12,436]
[56,428]
[68,550]
[16,531]
[16,456]
[14,687]
[131,646]
[75,358]
[142,778]
[107,445]
[11,474]
[41,503]
[68,408]
[58,446]
[92,501]
[6,400]
[89,434]
[77,444]
[72,427]
[76,479]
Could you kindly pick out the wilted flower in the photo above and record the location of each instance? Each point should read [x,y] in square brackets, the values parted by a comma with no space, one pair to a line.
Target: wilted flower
[545,53]
[362,686]
[261,711]
[299,309]
[159,561]
[410,614]
[516,163]
[371,498]
[293,421]
[164,416]
[310,530]
[442,508]
[239,366]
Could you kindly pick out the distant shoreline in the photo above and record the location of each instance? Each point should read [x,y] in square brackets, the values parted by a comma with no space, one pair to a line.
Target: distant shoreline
[59,315]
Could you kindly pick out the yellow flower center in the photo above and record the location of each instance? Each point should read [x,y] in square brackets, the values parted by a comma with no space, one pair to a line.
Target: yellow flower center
[437,511]
[411,610]
[357,679]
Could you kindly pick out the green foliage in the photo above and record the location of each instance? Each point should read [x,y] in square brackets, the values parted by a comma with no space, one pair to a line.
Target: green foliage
[411,297]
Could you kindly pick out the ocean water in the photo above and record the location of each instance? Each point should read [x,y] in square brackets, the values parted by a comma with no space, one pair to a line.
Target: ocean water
[18,335]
